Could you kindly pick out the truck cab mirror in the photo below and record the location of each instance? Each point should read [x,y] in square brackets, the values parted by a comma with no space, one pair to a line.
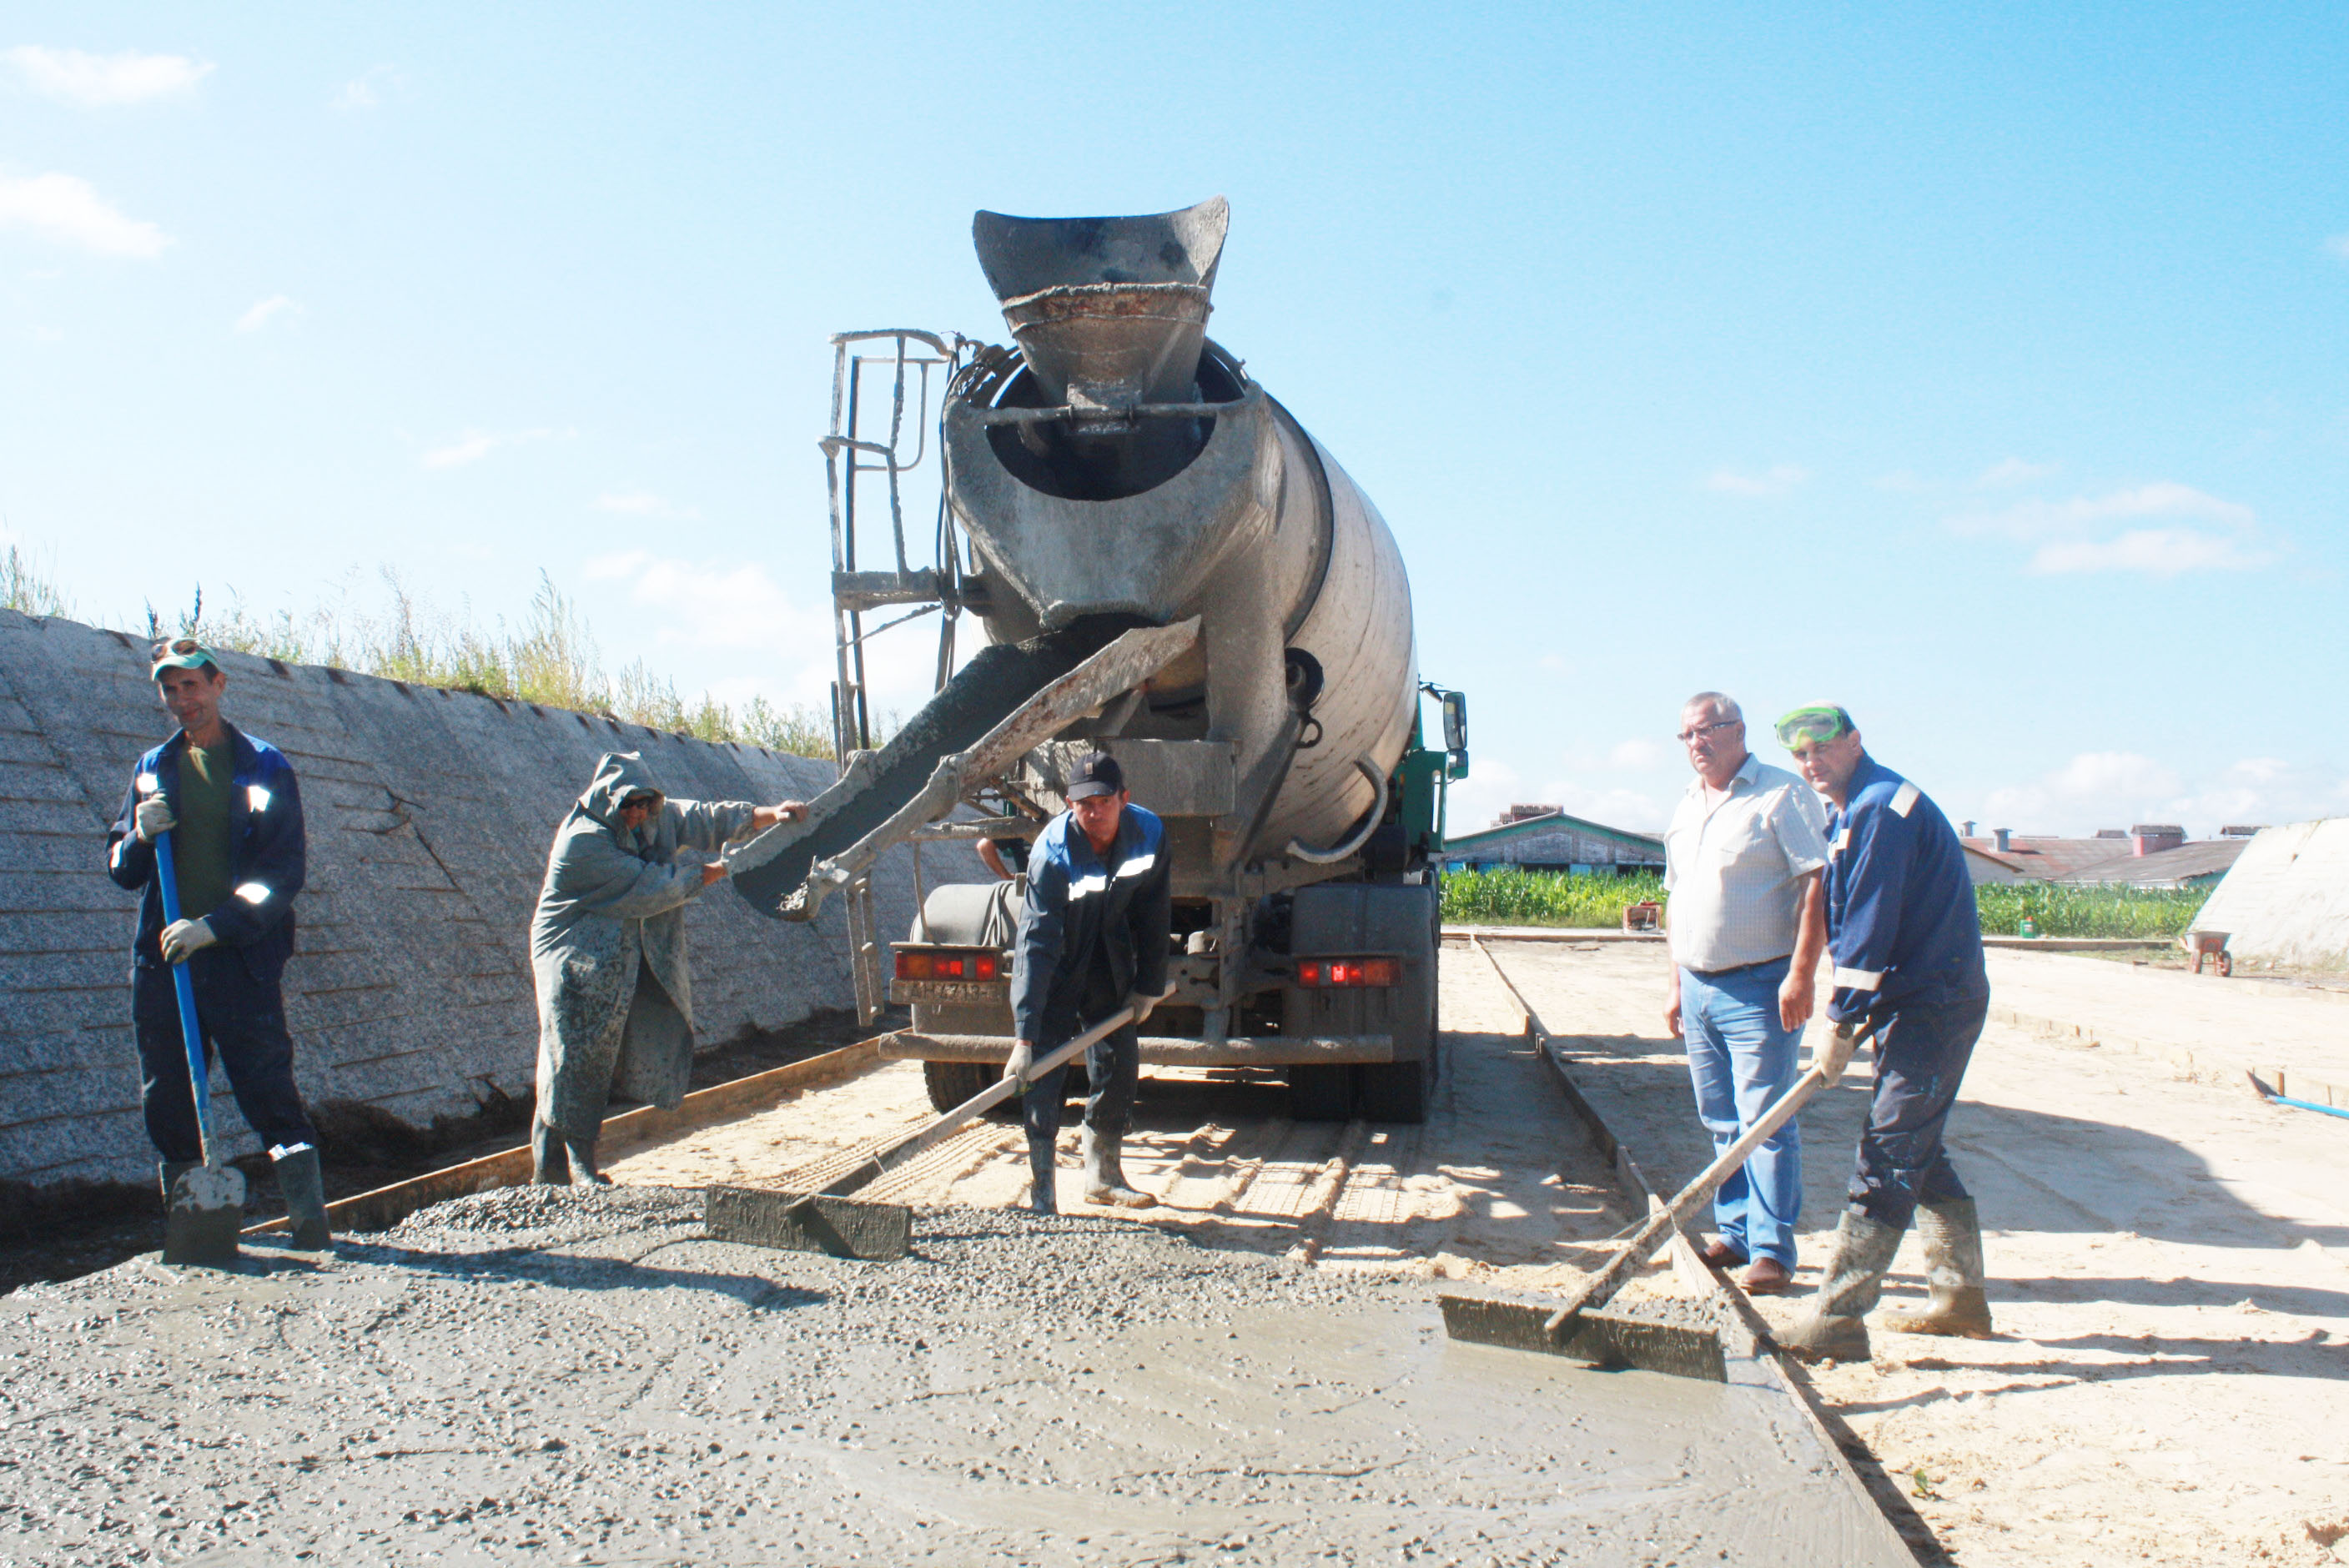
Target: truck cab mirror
[1455,721]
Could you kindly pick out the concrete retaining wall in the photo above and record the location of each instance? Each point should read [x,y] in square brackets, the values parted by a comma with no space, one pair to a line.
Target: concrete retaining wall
[2285,901]
[430,813]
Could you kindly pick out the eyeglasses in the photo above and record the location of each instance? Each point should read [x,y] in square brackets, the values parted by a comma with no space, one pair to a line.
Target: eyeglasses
[639,802]
[1691,737]
[178,647]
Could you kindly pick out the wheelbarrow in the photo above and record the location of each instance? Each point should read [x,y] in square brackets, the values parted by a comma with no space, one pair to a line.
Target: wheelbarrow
[2210,944]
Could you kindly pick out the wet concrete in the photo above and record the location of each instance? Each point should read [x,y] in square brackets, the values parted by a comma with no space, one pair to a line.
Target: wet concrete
[575,1376]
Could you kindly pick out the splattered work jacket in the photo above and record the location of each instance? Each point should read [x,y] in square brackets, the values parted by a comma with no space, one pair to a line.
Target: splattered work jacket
[1080,903]
[607,946]
[1902,924]
[266,853]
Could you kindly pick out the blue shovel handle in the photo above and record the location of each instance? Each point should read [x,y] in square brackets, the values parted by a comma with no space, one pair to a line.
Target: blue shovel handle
[191,1034]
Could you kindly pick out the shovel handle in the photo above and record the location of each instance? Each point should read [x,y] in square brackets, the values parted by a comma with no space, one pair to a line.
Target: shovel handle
[944,1126]
[1668,1218]
[191,1035]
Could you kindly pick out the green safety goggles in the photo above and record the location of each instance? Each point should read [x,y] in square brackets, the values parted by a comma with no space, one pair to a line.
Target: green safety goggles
[1813,726]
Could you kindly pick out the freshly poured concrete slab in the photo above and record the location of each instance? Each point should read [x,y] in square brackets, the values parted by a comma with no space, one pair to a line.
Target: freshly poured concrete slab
[583,1377]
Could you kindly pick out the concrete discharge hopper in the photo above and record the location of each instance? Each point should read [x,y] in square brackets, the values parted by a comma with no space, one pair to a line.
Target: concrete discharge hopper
[1109,311]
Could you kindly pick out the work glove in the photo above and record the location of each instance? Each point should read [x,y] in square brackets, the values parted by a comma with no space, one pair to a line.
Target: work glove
[1835,1055]
[153,819]
[1141,1002]
[182,937]
[1022,1058]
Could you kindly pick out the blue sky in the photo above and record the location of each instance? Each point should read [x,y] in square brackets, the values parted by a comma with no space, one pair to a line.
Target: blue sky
[1980,368]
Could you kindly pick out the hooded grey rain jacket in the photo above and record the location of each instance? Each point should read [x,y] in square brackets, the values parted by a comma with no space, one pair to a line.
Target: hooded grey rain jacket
[607,948]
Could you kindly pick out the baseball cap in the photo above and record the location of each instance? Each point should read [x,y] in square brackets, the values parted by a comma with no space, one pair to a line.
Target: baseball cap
[180,653]
[1096,773]
[1810,725]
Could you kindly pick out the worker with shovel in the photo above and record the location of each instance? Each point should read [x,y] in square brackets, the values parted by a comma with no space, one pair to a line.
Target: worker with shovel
[608,951]
[233,814]
[1905,943]
[1093,940]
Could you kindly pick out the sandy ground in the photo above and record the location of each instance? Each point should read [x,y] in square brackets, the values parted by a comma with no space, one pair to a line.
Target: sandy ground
[1259,1375]
[1494,1185]
[2225,1026]
[2169,1262]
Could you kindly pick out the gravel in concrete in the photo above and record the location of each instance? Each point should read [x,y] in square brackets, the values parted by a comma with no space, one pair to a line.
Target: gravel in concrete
[563,1375]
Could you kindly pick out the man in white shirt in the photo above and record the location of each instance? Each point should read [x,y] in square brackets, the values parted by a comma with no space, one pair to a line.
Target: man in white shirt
[1742,862]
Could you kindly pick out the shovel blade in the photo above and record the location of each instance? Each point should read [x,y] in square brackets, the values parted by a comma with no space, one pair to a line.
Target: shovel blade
[1602,1338]
[207,1210]
[794,1221]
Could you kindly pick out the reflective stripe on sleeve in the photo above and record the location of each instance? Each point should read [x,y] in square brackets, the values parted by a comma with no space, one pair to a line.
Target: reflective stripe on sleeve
[1137,866]
[1904,799]
[258,893]
[256,797]
[1842,841]
[149,784]
[1858,979]
[1083,885]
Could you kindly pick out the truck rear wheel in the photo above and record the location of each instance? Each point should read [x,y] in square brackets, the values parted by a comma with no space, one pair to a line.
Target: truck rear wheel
[1320,1093]
[1398,1092]
[951,1084]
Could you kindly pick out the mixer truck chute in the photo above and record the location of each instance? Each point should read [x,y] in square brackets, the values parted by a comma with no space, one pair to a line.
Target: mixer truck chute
[1167,567]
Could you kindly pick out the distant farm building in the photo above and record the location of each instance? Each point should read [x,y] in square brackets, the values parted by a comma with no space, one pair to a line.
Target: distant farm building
[2150,854]
[1544,838]
[2285,904]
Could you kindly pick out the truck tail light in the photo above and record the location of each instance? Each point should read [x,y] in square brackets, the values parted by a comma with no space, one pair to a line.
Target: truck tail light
[950,964]
[1319,973]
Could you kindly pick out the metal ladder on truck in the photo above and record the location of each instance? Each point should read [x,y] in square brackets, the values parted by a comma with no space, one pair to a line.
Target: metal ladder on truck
[891,368]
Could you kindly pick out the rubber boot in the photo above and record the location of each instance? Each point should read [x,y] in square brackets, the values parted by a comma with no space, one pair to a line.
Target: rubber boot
[1106,1174]
[550,1164]
[1832,1329]
[583,1163]
[1953,1268]
[170,1172]
[1042,1198]
[305,1186]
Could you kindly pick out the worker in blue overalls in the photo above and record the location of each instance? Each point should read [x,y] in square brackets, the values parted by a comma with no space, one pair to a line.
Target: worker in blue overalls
[1093,939]
[235,813]
[1906,944]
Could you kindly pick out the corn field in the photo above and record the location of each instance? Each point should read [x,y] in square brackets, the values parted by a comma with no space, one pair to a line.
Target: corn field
[1507,896]
[2059,911]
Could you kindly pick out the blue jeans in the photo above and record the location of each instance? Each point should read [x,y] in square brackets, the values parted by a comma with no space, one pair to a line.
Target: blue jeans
[1741,1060]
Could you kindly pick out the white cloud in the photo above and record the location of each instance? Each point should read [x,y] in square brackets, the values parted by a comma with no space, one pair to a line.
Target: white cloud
[477,444]
[2011,472]
[367,91]
[1779,480]
[256,318]
[2116,788]
[67,209]
[2157,552]
[644,503]
[103,81]
[2079,534]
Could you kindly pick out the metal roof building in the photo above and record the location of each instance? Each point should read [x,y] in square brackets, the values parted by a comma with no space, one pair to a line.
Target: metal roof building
[1545,838]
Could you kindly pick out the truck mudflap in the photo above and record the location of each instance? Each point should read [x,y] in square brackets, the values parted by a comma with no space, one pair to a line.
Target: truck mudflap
[1163,1050]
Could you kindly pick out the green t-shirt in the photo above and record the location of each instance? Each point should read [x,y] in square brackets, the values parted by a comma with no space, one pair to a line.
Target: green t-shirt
[200,842]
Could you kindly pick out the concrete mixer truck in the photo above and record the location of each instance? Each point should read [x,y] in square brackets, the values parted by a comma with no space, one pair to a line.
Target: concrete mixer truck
[1165,566]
